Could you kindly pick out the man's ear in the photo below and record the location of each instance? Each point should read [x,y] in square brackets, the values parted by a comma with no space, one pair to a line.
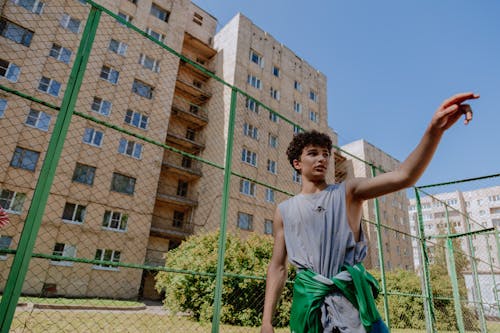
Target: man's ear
[296,164]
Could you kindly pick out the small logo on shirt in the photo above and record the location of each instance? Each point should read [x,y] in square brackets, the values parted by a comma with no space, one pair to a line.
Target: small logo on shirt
[320,209]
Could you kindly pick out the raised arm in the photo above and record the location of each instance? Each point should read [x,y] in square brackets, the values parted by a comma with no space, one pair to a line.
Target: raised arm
[276,274]
[414,165]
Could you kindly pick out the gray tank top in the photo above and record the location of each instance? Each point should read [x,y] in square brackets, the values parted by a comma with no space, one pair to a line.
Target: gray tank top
[317,233]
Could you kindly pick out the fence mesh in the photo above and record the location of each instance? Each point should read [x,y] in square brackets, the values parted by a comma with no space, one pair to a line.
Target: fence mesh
[139,156]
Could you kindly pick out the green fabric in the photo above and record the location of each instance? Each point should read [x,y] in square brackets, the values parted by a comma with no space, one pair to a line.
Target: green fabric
[309,294]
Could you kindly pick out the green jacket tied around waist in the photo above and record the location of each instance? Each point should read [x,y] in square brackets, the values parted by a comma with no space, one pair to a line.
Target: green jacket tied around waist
[309,294]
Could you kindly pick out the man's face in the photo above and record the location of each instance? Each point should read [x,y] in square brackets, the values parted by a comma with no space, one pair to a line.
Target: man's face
[313,162]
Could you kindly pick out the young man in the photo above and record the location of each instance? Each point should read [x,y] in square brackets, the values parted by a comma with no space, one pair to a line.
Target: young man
[319,230]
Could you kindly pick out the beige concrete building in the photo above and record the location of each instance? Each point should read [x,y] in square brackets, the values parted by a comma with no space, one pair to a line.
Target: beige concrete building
[397,250]
[483,209]
[116,197]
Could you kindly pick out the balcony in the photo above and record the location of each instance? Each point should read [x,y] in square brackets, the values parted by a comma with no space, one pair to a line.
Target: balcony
[154,258]
[182,165]
[191,90]
[169,195]
[193,44]
[191,142]
[189,112]
[162,227]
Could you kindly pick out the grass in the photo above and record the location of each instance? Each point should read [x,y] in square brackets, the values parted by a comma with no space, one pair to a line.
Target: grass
[51,321]
[79,301]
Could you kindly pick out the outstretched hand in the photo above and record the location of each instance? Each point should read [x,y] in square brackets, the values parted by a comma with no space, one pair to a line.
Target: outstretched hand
[451,110]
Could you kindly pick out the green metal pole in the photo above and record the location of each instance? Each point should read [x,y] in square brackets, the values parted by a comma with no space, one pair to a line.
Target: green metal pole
[452,271]
[381,254]
[478,299]
[223,217]
[430,319]
[20,264]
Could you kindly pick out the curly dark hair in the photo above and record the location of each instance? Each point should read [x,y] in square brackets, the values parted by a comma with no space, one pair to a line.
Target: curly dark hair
[303,139]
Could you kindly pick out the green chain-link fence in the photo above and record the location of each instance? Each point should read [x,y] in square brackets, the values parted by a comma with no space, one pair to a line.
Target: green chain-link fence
[124,159]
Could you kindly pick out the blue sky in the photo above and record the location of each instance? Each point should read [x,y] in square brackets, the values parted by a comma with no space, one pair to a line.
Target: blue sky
[390,63]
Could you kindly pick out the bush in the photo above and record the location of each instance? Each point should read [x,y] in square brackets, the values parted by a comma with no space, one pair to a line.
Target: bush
[242,298]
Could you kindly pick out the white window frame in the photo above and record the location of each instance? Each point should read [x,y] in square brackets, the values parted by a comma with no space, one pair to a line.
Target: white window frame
[9,238]
[17,33]
[276,71]
[109,74]
[270,195]
[149,63]
[272,166]
[3,106]
[296,129]
[76,209]
[102,104]
[247,188]
[252,105]
[274,93]
[34,6]
[95,137]
[135,90]
[130,148]
[113,217]
[256,58]
[126,17]
[297,107]
[156,35]
[272,140]
[254,81]
[248,218]
[313,116]
[251,131]
[117,47]
[268,227]
[136,119]
[25,159]
[12,71]
[68,251]
[60,53]
[15,201]
[313,96]
[114,255]
[297,86]
[159,12]
[39,120]
[249,157]
[273,116]
[50,89]
[66,20]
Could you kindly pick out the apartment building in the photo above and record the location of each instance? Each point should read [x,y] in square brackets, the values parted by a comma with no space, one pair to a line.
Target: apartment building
[115,197]
[479,209]
[397,250]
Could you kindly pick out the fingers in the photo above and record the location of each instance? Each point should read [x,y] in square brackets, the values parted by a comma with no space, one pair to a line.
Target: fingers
[467,111]
[459,98]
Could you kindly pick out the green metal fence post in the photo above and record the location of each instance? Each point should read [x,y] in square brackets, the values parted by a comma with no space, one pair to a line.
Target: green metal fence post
[490,261]
[20,264]
[430,319]
[478,296]
[223,218]
[381,254]
[452,271]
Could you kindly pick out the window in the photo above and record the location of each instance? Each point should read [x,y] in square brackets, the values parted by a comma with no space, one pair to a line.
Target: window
[15,32]
[34,6]
[249,157]
[38,119]
[254,81]
[84,174]
[126,17]
[313,96]
[149,63]
[256,58]
[494,198]
[245,221]
[109,74]
[495,222]
[63,250]
[276,71]
[12,201]
[191,134]
[313,116]
[268,227]
[115,221]
[117,47]
[156,35]
[159,12]
[273,116]
[5,242]
[272,140]
[271,166]
[49,86]
[297,86]
[24,159]
[107,255]
[142,89]
[93,137]
[198,19]
[130,148]
[70,23]
[275,94]
[269,195]
[251,131]
[3,106]
[178,220]
[252,105]
[296,177]
[74,213]
[9,70]
[247,187]
[186,162]
[495,210]
[297,107]
[122,184]
[136,119]
[60,53]
[101,106]
[182,188]
[296,129]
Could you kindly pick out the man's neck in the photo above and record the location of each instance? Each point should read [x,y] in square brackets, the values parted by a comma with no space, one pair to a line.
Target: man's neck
[310,187]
